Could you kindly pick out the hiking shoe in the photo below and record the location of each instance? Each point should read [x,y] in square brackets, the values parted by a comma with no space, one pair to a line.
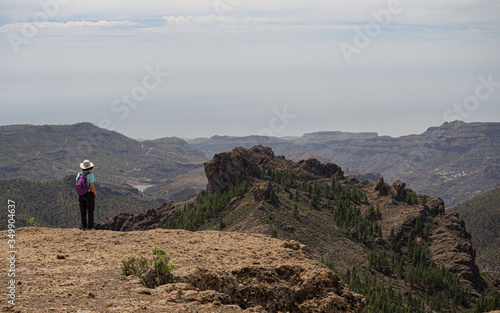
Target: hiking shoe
[83,228]
[90,228]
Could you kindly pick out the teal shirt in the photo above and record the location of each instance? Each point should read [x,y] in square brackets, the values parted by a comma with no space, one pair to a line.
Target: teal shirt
[90,179]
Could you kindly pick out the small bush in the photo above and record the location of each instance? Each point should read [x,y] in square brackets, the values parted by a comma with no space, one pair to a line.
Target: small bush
[31,222]
[152,272]
[274,233]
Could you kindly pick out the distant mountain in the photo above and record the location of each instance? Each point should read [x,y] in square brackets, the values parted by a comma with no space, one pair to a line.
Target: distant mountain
[216,144]
[482,216]
[42,153]
[55,203]
[455,161]
[397,248]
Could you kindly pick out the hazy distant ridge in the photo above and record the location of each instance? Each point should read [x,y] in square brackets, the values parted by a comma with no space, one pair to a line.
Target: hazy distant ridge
[454,161]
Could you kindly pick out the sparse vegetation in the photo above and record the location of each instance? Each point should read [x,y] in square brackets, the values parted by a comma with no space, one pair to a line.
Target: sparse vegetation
[274,233]
[153,272]
[31,222]
[490,303]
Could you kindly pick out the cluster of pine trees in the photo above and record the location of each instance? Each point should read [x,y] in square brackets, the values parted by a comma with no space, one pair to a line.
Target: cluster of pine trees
[340,200]
[378,297]
[489,303]
[438,288]
[206,206]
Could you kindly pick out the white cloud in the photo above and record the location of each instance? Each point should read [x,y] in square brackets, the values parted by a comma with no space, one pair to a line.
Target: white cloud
[229,21]
[64,25]
[422,12]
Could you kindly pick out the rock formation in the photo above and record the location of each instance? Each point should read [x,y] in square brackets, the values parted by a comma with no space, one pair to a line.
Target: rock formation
[241,164]
[230,168]
[399,190]
[452,247]
[381,187]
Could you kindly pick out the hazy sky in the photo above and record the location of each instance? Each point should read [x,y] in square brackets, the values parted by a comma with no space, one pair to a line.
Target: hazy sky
[157,68]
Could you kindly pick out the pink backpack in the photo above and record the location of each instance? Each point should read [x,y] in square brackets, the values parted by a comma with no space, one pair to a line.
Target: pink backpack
[81,185]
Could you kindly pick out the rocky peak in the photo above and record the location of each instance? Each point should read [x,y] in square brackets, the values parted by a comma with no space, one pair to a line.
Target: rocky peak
[242,164]
[231,167]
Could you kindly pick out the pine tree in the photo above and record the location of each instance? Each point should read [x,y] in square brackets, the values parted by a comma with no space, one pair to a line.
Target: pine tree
[273,198]
[419,225]
[377,211]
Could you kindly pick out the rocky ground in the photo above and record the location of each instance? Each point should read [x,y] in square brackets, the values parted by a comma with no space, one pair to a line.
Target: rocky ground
[68,270]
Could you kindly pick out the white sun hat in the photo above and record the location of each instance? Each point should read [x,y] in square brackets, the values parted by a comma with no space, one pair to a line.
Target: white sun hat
[86,165]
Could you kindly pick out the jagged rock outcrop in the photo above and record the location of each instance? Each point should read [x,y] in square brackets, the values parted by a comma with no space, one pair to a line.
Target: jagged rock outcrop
[317,168]
[232,167]
[449,243]
[67,270]
[381,187]
[242,164]
[404,219]
[451,246]
[399,190]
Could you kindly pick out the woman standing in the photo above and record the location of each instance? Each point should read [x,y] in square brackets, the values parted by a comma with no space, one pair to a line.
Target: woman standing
[85,181]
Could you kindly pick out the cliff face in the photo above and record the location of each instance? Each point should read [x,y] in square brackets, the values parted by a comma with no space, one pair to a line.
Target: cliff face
[451,246]
[67,270]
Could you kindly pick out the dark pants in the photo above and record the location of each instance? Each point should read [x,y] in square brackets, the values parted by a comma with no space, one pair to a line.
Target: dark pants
[87,206]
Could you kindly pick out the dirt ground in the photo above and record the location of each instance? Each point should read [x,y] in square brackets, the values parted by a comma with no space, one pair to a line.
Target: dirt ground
[69,270]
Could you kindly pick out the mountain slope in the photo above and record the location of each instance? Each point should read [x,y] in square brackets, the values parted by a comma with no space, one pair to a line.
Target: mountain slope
[482,215]
[55,203]
[454,161]
[375,235]
[50,152]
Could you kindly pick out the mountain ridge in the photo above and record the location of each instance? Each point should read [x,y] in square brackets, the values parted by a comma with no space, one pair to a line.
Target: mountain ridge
[455,161]
[54,151]
[263,202]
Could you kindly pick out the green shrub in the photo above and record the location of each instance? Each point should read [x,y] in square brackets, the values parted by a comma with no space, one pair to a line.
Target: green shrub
[31,222]
[152,272]
[274,233]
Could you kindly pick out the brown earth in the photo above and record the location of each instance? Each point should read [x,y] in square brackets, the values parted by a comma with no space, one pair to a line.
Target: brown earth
[68,270]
